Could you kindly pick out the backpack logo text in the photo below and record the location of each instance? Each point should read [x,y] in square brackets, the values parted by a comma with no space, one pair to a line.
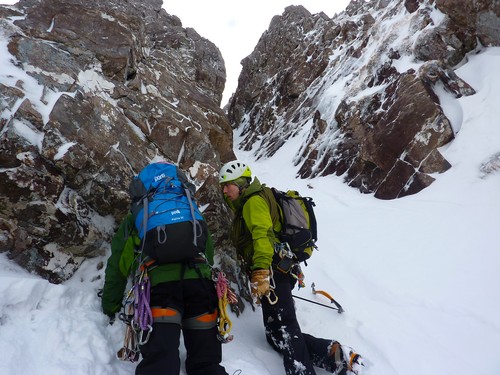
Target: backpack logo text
[159,177]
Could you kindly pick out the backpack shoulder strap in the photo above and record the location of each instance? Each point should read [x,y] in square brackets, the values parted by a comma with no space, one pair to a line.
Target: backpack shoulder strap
[274,208]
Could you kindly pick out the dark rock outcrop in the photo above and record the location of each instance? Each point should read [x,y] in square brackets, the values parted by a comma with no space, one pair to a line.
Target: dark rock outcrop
[92,91]
[360,89]
[98,89]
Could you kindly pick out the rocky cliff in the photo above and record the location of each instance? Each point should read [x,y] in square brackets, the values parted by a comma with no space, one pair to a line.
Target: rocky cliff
[90,92]
[362,89]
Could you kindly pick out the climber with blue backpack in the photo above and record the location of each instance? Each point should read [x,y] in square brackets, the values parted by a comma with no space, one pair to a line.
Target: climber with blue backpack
[165,246]
[272,256]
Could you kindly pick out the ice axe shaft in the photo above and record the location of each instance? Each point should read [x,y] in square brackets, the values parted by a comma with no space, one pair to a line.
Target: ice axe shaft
[322,292]
[316,303]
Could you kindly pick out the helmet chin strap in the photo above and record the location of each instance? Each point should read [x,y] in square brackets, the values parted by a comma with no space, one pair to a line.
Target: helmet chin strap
[240,188]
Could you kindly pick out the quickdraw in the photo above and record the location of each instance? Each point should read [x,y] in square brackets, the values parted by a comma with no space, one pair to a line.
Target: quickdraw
[137,316]
[130,350]
[143,317]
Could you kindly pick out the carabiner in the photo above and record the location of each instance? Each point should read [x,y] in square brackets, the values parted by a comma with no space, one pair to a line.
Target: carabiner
[141,338]
[269,297]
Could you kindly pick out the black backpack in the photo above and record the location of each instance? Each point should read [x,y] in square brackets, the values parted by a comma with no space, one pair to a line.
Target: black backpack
[169,222]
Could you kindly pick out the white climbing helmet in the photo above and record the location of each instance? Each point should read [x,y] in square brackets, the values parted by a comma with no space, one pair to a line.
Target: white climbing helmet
[233,170]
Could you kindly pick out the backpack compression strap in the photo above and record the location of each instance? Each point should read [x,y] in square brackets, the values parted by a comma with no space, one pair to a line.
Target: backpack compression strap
[195,222]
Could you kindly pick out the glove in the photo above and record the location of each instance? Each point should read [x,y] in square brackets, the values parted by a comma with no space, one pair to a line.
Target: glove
[259,285]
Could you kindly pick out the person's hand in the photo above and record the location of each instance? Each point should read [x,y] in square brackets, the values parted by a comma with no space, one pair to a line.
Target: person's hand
[259,285]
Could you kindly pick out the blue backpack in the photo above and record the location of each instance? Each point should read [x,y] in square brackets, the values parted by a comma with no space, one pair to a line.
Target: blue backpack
[169,222]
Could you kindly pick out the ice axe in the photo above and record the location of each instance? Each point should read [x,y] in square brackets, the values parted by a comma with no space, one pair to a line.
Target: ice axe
[339,308]
[322,292]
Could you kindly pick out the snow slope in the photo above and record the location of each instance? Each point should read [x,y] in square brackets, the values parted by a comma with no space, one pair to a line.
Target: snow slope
[418,276]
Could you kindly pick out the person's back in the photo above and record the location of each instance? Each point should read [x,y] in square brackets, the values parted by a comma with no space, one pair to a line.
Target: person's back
[182,297]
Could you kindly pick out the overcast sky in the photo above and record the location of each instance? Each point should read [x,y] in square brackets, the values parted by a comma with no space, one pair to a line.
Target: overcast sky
[236,26]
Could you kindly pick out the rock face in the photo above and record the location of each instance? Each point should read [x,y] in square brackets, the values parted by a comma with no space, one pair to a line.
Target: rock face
[362,89]
[91,92]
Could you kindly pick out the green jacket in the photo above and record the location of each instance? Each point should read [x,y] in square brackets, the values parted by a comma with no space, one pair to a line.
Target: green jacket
[255,225]
[122,264]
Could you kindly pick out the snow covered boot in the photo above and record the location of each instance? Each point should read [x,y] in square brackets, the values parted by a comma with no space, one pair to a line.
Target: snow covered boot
[347,361]
[355,363]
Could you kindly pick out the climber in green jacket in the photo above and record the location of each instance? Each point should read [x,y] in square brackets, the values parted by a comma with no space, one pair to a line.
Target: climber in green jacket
[254,234]
[183,297]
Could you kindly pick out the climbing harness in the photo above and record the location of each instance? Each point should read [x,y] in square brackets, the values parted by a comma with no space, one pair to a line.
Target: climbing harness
[139,316]
[225,295]
[288,263]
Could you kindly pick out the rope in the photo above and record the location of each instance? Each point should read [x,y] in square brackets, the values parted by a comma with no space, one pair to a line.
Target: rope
[225,296]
